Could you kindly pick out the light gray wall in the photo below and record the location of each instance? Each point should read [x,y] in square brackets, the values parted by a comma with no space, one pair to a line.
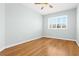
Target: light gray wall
[78,25]
[22,24]
[2,25]
[68,34]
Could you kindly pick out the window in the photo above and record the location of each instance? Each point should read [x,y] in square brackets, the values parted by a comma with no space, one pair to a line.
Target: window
[59,22]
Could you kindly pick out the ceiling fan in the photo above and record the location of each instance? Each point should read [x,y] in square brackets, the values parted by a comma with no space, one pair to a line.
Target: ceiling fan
[43,5]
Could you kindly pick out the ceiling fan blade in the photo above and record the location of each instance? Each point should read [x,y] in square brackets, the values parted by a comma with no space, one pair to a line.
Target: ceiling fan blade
[41,3]
[42,8]
[37,3]
[50,6]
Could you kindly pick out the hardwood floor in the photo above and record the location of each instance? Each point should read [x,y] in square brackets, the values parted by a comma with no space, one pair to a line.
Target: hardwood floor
[44,47]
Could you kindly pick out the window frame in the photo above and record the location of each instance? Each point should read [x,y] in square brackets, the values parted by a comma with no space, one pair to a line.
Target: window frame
[66,23]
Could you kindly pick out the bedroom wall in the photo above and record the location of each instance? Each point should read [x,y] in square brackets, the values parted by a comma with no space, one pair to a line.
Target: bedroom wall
[78,25]
[22,24]
[2,26]
[68,34]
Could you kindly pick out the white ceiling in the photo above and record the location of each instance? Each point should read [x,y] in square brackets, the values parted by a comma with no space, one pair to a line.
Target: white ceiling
[57,7]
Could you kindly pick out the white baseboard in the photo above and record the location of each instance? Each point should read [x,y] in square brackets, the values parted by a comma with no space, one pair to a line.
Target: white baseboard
[2,49]
[77,43]
[60,38]
[22,42]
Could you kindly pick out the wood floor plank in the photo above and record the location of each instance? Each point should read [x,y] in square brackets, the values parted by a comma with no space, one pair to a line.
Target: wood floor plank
[44,47]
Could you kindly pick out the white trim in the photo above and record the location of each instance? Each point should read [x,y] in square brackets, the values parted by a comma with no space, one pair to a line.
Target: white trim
[2,49]
[22,42]
[60,38]
[77,42]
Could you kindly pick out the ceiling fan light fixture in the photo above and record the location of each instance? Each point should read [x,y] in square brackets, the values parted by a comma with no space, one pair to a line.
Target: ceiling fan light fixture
[44,5]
